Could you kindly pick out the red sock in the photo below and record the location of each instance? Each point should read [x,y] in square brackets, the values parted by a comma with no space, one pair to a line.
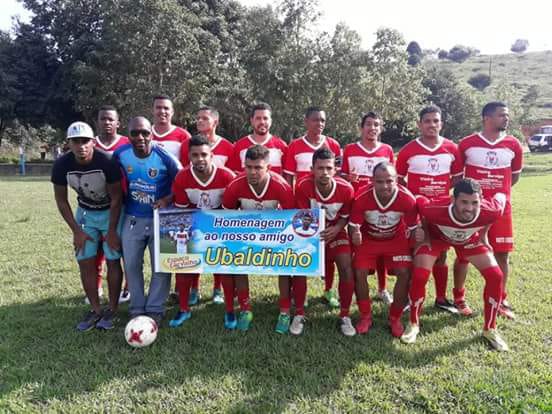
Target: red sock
[346,289]
[395,311]
[381,273]
[329,276]
[217,282]
[417,292]
[285,304]
[183,284]
[229,291]
[492,294]
[440,274]
[299,291]
[243,300]
[365,308]
[195,284]
[459,295]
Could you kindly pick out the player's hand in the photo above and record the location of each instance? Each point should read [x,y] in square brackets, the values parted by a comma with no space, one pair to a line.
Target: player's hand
[353,177]
[79,240]
[161,203]
[356,238]
[419,234]
[113,241]
[329,233]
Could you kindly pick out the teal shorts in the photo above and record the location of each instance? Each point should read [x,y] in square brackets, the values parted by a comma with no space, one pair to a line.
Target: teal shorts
[95,223]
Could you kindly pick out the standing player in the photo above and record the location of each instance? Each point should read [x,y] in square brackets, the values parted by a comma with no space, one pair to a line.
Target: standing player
[495,160]
[165,134]
[97,180]
[199,185]
[181,238]
[257,189]
[382,219]
[359,160]
[261,121]
[334,195]
[461,222]
[149,171]
[430,165]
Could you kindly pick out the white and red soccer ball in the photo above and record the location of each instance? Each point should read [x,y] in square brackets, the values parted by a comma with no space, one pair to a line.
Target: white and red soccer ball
[141,331]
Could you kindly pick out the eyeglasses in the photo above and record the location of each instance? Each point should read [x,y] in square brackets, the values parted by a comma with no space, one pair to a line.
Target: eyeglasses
[135,133]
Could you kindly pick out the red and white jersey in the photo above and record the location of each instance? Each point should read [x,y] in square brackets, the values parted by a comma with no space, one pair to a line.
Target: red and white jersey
[429,171]
[299,157]
[181,237]
[222,150]
[492,163]
[359,160]
[276,147]
[442,225]
[120,140]
[384,222]
[172,140]
[189,191]
[276,193]
[336,205]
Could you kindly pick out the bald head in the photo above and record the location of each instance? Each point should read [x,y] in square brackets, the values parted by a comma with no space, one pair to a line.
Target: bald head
[139,131]
[140,121]
[384,180]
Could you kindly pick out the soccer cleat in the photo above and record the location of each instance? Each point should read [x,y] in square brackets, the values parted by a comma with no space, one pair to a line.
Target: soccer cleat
[100,294]
[495,340]
[125,296]
[180,318]
[230,321]
[157,318]
[244,321]
[446,305]
[463,308]
[88,322]
[397,328]
[364,325]
[331,298]
[385,296]
[346,326]
[410,334]
[194,297]
[217,297]
[506,312]
[282,326]
[107,320]
[297,325]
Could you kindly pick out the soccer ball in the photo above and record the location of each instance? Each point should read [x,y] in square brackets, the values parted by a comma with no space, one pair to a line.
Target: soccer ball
[141,331]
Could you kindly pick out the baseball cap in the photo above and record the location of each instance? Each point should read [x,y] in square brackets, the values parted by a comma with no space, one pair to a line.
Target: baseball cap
[79,130]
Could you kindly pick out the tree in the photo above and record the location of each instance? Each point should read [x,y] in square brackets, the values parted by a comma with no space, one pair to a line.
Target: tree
[443,54]
[520,46]
[480,81]
[414,48]
[459,53]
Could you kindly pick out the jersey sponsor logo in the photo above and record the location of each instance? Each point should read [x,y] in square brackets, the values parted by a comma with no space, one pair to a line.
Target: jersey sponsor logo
[491,159]
[142,197]
[153,172]
[402,258]
[129,169]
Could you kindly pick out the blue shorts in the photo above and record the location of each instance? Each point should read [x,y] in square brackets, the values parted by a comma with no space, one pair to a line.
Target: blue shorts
[95,223]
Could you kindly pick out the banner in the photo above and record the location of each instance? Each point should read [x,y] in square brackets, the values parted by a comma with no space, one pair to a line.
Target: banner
[261,242]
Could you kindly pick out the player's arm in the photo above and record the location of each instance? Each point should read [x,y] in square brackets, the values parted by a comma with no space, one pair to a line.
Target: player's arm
[330,233]
[116,195]
[484,236]
[163,202]
[515,178]
[64,208]
[355,222]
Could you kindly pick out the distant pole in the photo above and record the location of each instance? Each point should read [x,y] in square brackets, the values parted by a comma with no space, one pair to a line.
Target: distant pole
[21,160]
[490,67]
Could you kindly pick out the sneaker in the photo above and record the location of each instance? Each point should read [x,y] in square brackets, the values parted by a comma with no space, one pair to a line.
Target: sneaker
[297,325]
[107,320]
[282,326]
[218,299]
[385,296]
[194,297]
[364,325]
[88,322]
[100,294]
[244,320]
[346,326]
[506,312]
[230,321]
[495,340]
[446,305]
[180,318]
[157,317]
[410,334]
[397,328]
[507,304]
[331,298]
[463,308]
[125,296]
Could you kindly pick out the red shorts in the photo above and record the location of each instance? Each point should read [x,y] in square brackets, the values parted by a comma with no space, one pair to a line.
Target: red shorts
[395,252]
[462,252]
[339,245]
[501,234]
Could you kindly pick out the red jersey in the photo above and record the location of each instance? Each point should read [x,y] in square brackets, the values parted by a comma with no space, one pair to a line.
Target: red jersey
[276,194]
[222,150]
[120,140]
[429,171]
[384,222]
[276,147]
[336,205]
[299,157]
[492,163]
[172,140]
[442,225]
[361,161]
[189,191]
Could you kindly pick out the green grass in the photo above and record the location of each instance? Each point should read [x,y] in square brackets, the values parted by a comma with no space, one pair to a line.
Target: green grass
[45,365]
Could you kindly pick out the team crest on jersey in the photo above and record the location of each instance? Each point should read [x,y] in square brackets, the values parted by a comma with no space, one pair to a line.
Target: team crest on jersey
[204,200]
[382,220]
[491,159]
[369,165]
[259,205]
[129,169]
[153,172]
[432,165]
[459,235]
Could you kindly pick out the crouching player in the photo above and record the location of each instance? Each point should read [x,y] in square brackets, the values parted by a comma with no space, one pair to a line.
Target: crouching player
[383,218]
[335,195]
[462,223]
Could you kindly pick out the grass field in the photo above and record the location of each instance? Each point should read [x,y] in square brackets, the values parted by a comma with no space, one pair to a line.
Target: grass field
[45,365]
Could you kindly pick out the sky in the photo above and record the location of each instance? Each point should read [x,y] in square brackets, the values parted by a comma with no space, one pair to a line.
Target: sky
[488,25]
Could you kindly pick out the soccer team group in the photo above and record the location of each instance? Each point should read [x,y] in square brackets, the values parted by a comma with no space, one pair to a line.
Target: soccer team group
[383,216]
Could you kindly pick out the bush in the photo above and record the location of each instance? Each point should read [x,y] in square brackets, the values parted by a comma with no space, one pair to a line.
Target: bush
[480,81]
[443,54]
[459,53]
[520,46]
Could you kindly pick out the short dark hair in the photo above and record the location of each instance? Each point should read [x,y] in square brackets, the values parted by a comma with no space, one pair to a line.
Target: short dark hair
[491,107]
[211,109]
[108,108]
[257,152]
[466,186]
[370,114]
[260,106]
[381,165]
[322,154]
[160,97]
[197,141]
[430,109]
[311,110]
